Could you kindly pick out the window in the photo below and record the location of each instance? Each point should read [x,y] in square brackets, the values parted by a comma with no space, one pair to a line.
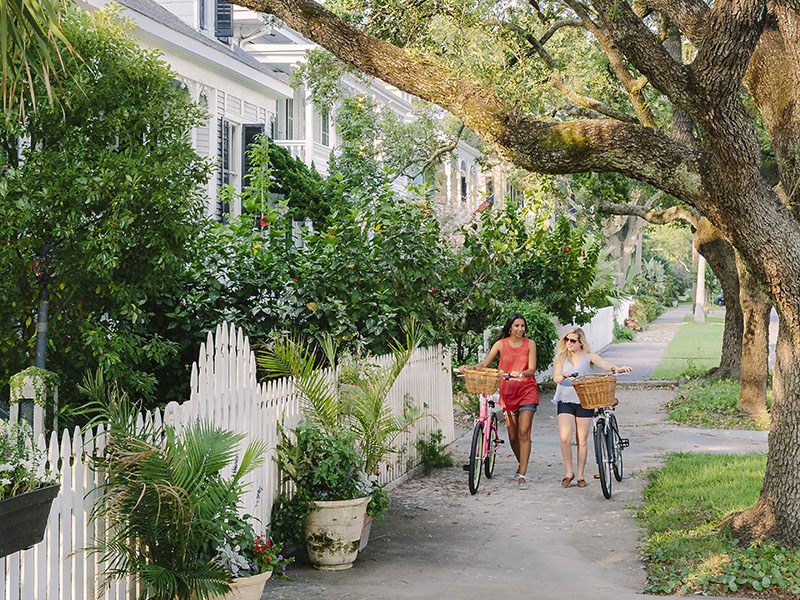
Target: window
[285,120]
[201,12]
[227,173]
[325,127]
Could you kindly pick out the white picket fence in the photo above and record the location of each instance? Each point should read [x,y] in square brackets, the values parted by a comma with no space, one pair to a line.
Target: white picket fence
[224,390]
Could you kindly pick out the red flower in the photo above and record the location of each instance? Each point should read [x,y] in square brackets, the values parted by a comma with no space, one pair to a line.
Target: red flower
[433,290]
[566,248]
[264,221]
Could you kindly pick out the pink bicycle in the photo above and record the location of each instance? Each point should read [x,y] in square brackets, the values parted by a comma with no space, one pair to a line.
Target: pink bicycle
[485,437]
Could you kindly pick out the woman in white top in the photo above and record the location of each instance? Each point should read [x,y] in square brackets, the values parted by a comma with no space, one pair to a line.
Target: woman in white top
[573,355]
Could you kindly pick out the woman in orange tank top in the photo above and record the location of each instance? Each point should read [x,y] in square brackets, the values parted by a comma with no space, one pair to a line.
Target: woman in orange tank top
[518,399]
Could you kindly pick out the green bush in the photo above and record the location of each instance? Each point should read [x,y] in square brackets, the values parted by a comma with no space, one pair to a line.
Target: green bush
[541,329]
[622,333]
[431,453]
[652,305]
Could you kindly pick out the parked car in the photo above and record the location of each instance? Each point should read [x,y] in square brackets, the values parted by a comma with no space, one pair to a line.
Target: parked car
[720,299]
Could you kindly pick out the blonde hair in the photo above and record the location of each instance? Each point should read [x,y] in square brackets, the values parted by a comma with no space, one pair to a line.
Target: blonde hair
[561,348]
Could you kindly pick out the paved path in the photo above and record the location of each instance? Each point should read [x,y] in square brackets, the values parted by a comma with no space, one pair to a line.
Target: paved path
[645,352]
[438,542]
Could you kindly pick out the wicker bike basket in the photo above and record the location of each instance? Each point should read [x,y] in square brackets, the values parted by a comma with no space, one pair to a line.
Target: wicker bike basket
[596,390]
[482,381]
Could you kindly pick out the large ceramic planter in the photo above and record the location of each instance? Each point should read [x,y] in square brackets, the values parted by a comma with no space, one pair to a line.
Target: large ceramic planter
[333,533]
[248,588]
[365,531]
[23,519]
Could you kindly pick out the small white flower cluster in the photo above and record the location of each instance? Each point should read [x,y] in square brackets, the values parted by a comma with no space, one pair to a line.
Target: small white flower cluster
[366,484]
[232,559]
[22,464]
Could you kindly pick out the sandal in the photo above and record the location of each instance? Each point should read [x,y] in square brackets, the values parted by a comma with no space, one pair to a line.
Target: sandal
[567,480]
[581,483]
[522,483]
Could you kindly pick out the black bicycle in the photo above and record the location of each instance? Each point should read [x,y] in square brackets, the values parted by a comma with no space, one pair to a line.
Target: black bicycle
[596,391]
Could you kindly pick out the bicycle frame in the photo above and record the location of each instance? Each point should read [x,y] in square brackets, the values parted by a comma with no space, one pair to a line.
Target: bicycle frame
[485,418]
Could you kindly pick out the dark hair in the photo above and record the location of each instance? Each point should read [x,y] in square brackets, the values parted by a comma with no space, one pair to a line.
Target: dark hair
[506,330]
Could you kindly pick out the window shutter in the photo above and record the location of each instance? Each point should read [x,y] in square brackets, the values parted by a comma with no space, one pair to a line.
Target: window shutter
[223,177]
[224,23]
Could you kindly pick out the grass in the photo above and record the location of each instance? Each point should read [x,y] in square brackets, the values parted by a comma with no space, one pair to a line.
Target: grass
[695,348]
[711,404]
[686,550]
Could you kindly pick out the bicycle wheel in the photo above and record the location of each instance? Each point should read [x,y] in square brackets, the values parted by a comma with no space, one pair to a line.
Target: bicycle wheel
[488,463]
[615,449]
[475,458]
[603,459]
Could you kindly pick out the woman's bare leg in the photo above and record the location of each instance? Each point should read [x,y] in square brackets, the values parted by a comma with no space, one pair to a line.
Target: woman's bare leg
[584,424]
[512,423]
[524,439]
[566,427]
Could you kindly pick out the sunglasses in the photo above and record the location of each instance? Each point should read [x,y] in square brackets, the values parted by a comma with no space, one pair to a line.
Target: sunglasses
[573,340]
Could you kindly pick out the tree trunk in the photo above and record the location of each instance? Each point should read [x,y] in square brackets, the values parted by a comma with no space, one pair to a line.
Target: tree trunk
[776,515]
[756,307]
[722,258]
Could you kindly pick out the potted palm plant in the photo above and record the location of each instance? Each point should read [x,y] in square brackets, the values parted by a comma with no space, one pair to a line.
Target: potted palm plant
[350,408]
[166,512]
[27,489]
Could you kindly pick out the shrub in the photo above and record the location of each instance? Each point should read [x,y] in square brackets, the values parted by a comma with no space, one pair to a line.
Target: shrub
[431,452]
[622,333]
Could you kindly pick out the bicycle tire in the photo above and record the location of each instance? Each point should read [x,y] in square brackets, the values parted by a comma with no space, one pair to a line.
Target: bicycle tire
[616,447]
[475,458]
[603,459]
[488,463]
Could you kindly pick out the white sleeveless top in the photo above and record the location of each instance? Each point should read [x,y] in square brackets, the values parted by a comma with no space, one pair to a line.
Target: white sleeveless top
[564,390]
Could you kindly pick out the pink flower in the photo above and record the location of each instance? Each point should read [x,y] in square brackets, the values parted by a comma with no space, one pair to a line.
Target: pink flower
[566,248]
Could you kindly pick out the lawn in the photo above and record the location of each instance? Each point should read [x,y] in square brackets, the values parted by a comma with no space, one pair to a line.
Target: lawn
[686,549]
[695,348]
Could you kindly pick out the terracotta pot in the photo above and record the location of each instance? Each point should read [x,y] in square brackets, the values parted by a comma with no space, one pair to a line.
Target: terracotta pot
[23,519]
[248,588]
[333,533]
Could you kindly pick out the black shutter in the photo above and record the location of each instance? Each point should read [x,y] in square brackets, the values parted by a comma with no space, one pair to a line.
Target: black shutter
[223,28]
[223,174]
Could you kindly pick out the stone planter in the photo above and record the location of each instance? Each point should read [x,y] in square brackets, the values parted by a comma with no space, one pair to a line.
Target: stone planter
[333,533]
[248,588]
[23,519]
[365,531]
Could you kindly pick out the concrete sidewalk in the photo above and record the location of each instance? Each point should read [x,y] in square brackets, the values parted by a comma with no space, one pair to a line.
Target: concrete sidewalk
[438,542]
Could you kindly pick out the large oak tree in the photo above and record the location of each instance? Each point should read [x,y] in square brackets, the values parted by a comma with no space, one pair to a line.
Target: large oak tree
[718,172]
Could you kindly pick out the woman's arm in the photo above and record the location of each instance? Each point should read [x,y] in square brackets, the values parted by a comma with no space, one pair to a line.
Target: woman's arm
[558,376]
[489,357]
[604,364]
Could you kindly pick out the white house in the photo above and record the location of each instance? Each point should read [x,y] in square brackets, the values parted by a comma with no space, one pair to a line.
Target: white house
[238,67]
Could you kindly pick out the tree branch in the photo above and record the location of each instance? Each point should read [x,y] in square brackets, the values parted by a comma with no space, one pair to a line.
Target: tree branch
[558,82]
[577,146]
[558,25]
[632,85]
[439,152]
[657,217]
[645,51]
[688,15]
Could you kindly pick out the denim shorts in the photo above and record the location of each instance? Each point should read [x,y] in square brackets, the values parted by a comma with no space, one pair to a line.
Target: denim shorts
[530,407]
[576,410]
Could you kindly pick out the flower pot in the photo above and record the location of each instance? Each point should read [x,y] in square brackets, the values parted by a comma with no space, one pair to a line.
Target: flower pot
[365,530]
[333,533]
[248,588]
[23,519]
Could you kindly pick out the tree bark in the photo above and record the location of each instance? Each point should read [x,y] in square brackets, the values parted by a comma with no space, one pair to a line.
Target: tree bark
[756,307]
